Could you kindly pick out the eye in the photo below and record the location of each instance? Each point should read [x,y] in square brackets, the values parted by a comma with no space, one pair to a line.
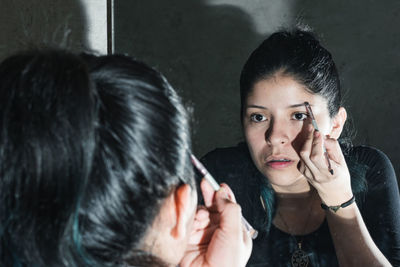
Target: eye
[257,117]
[299,116]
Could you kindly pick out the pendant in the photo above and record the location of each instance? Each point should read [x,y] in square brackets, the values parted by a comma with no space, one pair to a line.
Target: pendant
[299,257]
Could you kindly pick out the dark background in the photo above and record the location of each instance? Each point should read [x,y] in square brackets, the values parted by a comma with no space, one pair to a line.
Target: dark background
[28,24]
[201,46]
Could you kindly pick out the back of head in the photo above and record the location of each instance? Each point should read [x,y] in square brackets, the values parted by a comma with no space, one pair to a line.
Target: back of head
[89,149]
[142,155]
[46,148]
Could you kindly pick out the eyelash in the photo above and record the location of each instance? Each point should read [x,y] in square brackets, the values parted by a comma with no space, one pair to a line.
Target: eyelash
[302,113]
[264,118]
[252,117]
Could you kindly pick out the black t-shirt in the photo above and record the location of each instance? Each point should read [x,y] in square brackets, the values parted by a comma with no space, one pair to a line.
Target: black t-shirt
[379,205]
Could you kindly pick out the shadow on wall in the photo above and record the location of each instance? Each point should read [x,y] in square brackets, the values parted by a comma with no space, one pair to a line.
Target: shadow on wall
[201,50]
[365,42]
[30,24]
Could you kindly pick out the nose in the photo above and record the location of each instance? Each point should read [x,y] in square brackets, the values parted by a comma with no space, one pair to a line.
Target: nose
[276,133]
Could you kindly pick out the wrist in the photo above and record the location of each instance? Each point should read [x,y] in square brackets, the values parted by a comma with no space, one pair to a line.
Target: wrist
[335,199]
[335,208]
[349,212]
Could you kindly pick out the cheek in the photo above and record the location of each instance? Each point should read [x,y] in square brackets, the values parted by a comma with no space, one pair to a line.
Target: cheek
[299,137]
[255,136]
[254,139]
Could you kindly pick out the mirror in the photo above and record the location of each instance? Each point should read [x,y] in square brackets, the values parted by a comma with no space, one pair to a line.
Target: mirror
[201,46]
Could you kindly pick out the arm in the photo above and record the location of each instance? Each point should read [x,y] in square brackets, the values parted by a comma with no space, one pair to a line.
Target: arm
[381,206]
[353,243]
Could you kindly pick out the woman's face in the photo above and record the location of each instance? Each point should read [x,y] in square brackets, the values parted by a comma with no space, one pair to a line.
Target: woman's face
[275,124]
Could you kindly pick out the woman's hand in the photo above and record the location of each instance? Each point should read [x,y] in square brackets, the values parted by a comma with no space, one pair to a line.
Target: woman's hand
[333,189]
[218,238]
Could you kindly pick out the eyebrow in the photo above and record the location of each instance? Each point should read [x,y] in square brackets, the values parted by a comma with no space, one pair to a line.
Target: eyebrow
[297,105]
[290,106]
[256,106]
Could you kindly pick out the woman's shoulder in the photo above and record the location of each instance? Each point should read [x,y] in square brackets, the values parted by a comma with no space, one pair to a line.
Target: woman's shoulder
[227,154]
[369,155]
[371,158]
[371,165]
[232,165]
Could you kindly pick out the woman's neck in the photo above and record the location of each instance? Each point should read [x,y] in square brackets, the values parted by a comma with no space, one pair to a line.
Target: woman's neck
[295,196]
[298,213]
[296,200]
[300,187]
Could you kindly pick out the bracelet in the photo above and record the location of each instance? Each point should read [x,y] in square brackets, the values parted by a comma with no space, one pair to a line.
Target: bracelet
[336,208]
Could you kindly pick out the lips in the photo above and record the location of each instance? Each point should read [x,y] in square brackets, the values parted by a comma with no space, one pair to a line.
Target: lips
[279,161]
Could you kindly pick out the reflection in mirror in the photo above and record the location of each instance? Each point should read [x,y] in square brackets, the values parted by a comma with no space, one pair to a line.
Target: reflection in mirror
[201,46]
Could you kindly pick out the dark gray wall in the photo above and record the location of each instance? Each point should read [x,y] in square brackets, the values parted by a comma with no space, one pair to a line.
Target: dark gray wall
[364,39]
[200,49]
[201,46]
[33,23]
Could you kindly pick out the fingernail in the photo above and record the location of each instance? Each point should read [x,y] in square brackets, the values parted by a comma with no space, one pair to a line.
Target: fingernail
[317,134]
[223,193]
[222,190]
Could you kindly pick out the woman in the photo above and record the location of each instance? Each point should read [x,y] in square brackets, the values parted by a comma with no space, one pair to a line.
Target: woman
[95,169]
[281,175]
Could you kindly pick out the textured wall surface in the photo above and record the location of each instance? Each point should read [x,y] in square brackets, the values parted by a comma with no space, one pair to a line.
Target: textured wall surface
[364,39]
[201,46]
[76,24]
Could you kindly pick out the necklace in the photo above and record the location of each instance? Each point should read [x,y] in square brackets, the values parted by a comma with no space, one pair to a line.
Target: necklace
[299,256]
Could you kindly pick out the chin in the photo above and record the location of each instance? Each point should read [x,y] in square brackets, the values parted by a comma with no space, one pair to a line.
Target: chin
[282,177]
[282,183]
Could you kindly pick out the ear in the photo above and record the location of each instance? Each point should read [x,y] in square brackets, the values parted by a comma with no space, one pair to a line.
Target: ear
[184,211]
[338,123]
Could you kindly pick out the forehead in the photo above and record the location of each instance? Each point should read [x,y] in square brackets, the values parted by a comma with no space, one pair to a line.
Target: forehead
[280,91]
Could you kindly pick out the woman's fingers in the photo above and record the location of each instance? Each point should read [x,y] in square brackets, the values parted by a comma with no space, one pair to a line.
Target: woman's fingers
[229,192]
[208,192]
[201,219]
[318,155]
[230,218]
[306,171]
[219,238]
[306,150]
[334,151]
[315,154]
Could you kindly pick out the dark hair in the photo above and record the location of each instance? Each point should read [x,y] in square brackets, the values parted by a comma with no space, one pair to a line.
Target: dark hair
[298,54]
[89,149]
